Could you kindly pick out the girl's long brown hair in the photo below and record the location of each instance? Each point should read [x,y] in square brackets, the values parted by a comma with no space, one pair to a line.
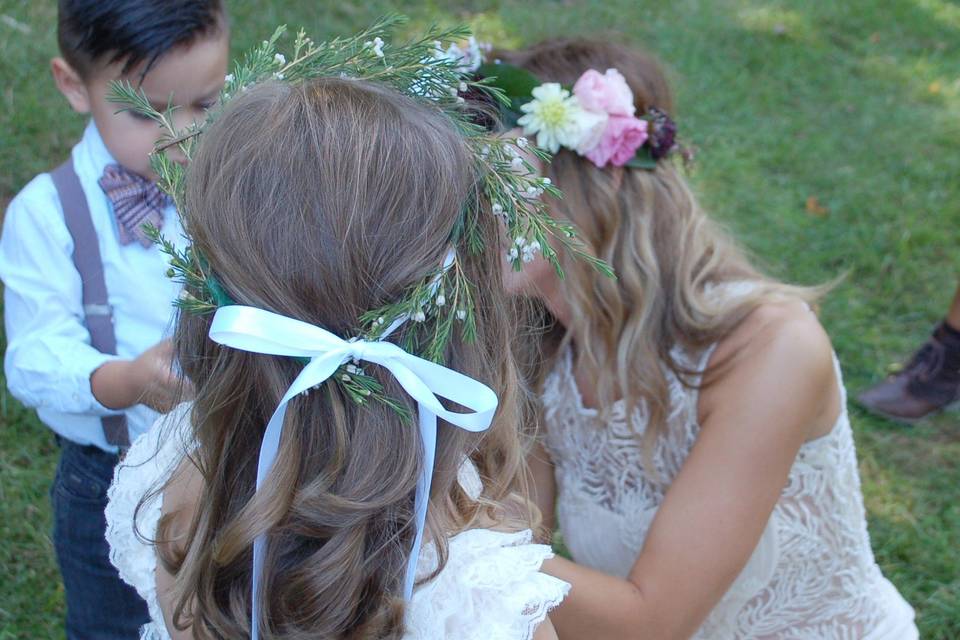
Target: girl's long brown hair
[321,201]
[648,225]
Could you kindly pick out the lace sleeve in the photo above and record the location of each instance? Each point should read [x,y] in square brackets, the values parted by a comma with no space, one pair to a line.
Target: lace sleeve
[490,589]
[147,465]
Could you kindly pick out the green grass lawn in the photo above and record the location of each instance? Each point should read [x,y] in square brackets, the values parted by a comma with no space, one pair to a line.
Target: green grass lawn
[851,106]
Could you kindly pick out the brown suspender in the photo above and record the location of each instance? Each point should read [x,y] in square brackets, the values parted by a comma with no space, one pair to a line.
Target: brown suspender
[97,313]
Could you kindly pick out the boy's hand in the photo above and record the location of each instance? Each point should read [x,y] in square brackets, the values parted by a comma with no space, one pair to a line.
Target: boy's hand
[148,379]
[160,386]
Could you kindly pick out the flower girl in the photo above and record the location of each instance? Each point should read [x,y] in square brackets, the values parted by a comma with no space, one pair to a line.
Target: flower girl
[696,432]
[308,490]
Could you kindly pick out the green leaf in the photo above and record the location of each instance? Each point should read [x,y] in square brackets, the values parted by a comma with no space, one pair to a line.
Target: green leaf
[643,159]
[516,83]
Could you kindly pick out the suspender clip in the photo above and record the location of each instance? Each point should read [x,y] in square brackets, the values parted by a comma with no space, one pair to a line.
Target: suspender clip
[97,310]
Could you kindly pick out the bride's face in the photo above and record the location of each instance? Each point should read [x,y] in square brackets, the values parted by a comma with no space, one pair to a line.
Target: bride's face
[538,276]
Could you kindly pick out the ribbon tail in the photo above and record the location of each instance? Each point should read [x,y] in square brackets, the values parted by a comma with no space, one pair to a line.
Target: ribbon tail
[428,436]
[268,454]
[259,552]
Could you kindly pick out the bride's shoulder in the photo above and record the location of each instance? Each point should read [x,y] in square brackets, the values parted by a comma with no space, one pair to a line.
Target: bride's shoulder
[779,345]
[491,586]
[785,332]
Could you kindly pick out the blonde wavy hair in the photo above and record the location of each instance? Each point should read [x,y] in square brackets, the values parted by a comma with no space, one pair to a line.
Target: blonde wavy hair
[648,225]
[320,201]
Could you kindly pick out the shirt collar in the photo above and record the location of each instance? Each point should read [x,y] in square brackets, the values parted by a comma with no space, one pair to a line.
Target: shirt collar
[91,155]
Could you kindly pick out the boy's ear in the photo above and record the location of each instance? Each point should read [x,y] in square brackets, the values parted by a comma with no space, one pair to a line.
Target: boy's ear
[71,85]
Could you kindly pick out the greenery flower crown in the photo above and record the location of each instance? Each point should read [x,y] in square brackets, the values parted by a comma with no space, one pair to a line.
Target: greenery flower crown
[444,301]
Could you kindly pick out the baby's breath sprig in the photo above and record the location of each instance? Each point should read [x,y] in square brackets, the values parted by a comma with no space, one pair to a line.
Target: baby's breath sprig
[515,192]
[362,388]
[430,311]
[453,308]
[443,303]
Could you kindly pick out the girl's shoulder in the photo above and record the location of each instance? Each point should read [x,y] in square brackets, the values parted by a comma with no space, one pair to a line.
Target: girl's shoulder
[491,587]
[135,502]
[155,454]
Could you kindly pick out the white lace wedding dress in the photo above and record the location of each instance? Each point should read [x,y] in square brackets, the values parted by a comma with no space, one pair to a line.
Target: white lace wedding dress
[812,575]
[490,589]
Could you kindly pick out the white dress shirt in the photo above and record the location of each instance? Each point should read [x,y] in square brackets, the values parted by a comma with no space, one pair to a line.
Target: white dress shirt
[49,359]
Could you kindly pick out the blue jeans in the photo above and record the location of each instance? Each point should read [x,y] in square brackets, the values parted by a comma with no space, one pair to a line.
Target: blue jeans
[100,606]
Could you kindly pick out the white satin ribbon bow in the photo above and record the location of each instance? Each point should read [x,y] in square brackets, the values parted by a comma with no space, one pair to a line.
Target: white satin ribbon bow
[260,331]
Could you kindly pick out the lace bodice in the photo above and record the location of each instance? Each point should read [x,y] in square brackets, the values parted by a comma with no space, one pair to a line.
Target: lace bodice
[490,589]
[812,575]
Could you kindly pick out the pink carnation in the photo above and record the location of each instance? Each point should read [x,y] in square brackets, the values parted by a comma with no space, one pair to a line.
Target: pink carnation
[607,93]
[619,142]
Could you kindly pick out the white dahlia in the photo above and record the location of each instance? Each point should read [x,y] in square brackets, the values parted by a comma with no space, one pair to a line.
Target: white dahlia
[557,119]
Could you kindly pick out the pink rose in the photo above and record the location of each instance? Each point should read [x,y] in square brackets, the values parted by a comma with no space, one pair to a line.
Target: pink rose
[619,142]
[608,93]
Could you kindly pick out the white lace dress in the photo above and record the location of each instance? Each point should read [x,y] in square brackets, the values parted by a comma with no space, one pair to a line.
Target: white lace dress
[490,589]
[812,575]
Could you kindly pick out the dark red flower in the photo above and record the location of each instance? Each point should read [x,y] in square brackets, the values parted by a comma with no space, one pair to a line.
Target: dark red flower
[663,133]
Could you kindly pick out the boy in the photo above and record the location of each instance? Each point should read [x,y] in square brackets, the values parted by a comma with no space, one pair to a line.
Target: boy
[87,301]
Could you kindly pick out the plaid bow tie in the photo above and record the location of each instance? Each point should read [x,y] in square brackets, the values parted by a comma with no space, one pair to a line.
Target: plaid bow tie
[136,202]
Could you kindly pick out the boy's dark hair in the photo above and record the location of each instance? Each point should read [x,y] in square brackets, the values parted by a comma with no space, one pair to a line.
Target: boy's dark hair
[92,32]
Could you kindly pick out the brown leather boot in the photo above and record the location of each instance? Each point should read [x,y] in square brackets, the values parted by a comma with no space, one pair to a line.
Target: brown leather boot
[929,382]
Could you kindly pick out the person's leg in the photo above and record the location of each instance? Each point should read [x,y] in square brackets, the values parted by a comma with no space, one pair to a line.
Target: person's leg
[929,382]
[100,606]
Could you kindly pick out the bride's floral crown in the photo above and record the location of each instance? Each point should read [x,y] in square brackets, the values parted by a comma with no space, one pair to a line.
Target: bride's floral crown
[596,118]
